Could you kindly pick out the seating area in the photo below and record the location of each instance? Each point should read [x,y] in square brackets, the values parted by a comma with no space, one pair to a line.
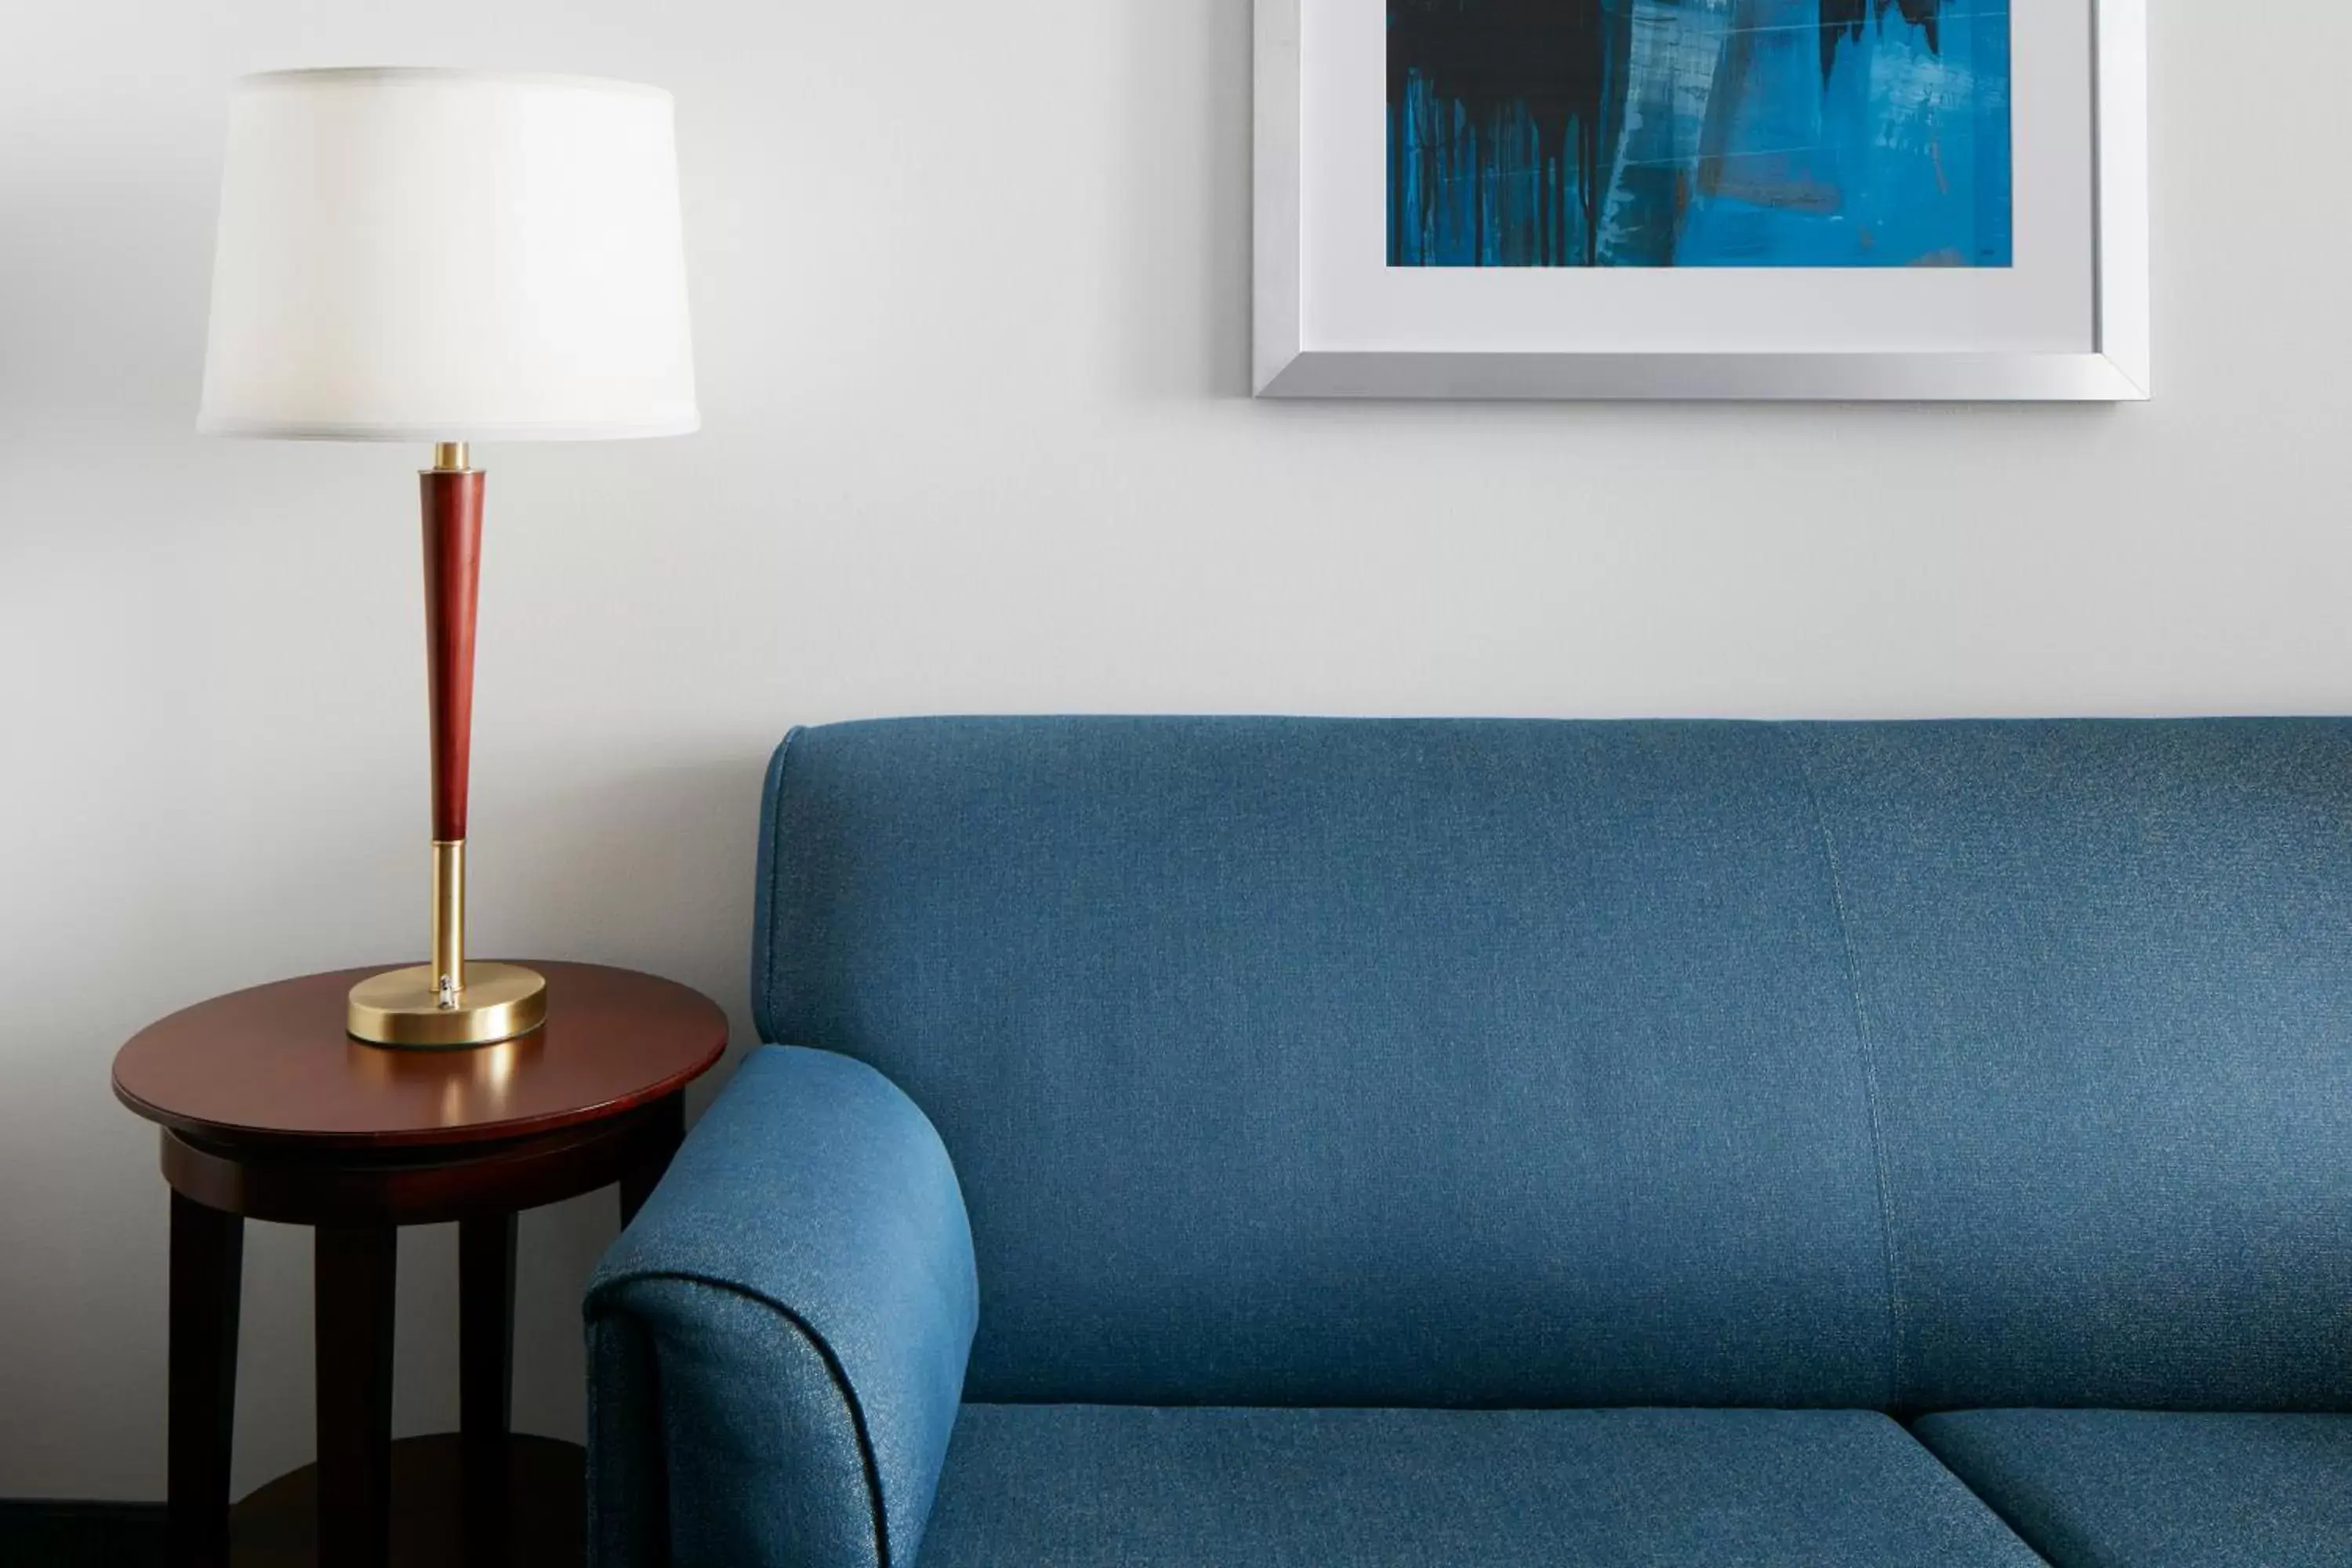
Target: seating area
[1383,1142]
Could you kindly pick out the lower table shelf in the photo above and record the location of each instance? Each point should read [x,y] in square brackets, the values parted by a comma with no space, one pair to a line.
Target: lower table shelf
[440,1515]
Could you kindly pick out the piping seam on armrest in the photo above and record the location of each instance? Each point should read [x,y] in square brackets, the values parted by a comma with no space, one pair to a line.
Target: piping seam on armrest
[868,1464]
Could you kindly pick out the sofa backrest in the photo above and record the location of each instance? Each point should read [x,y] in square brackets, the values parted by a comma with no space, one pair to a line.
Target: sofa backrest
[1540,1064]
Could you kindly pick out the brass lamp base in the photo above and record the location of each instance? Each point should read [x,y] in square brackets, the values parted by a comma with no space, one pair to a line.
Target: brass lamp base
[403,1007]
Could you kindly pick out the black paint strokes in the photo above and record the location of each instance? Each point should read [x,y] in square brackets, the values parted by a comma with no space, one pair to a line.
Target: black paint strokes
[1845,19]
[1562,61]
[1540,134]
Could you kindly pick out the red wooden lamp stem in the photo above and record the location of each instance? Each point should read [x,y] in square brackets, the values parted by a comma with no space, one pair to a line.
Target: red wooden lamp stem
[453,561]
[447,1003]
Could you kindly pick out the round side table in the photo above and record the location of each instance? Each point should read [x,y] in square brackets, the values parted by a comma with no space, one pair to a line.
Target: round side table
[270,1112]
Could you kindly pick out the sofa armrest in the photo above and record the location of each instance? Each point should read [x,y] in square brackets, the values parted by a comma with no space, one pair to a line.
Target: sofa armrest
[777,1344]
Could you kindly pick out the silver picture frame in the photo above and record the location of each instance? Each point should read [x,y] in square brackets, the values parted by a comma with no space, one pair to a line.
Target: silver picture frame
[2116,370]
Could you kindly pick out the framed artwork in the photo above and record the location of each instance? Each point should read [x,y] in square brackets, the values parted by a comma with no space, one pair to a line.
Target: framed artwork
[1827,199]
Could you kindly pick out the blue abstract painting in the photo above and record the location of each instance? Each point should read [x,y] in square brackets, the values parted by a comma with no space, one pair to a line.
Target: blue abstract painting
[1698,134]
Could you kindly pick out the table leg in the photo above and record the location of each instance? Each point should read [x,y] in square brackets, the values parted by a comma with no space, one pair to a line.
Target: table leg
[207,1266]
[638,1185]
[353,1276]
[486,1292]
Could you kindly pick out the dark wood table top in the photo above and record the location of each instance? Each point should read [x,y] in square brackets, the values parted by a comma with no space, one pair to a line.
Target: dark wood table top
[273,1066]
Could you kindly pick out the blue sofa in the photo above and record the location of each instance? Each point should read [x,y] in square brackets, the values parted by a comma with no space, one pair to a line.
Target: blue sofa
[1332,1144]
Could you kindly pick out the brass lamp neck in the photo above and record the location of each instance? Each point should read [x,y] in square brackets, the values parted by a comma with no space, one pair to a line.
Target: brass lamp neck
[450,457]
[448,920]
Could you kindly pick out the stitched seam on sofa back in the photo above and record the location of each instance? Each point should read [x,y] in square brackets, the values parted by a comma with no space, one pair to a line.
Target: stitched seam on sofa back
[1864,1045]
[769,892]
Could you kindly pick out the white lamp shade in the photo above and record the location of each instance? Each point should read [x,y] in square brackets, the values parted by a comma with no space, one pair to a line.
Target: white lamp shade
[448,256]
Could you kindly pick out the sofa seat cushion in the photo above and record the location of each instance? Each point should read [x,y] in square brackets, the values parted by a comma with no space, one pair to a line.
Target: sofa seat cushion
[1089,1486]
[2107,1488]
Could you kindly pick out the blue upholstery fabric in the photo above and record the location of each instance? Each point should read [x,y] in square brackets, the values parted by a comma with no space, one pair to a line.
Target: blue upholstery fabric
[778,1341]
[1320,1062]
[1125,1487]
[1511,1067]
[1912,1066]
[2107,972]
[2109,1488]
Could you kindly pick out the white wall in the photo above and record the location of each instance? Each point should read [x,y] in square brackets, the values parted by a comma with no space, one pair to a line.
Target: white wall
[970,282]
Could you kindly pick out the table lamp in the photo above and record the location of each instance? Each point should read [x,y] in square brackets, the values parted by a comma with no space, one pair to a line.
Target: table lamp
[448,256]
